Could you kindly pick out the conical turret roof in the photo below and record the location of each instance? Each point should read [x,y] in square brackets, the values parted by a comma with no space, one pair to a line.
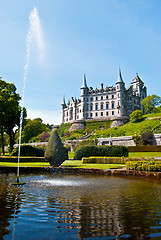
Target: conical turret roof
[84,82]
[120,80]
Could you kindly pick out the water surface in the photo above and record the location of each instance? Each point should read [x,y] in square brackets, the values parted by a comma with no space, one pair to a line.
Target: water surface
[59,206]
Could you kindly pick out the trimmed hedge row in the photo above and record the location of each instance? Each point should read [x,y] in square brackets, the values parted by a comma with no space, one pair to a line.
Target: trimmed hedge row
[107,151]
[147,148]
[112,160]
[22,159]
[151,166]
[27,150]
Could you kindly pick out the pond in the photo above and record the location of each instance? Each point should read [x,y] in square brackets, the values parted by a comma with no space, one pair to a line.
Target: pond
[65,206]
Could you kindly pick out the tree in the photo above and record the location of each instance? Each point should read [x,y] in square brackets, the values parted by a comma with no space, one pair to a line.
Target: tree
[55,152]
[9,111]
[150,102]
[136,116]
[32,129]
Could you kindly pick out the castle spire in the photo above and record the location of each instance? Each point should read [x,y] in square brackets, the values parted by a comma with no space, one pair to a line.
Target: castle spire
[84,82]
[63,102]
[119,77]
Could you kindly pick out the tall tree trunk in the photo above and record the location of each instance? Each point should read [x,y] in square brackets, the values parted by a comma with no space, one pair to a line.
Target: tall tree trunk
[12,140]
[2,141]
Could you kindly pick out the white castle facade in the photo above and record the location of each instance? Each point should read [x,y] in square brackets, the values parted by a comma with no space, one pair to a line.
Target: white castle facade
[115,102]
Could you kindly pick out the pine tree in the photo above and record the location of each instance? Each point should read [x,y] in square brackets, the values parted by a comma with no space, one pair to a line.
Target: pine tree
[55,152]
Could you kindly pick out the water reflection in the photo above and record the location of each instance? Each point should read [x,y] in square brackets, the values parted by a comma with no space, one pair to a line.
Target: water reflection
[9,203]
[82,207]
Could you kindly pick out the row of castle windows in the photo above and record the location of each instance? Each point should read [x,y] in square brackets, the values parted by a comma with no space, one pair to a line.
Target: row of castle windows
[90,107]
[101,114]
[99,98]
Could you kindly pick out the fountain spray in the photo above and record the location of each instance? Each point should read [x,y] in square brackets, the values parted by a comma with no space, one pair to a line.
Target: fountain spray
[34,34]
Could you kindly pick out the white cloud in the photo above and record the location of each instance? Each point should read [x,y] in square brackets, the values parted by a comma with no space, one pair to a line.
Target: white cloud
[51,117]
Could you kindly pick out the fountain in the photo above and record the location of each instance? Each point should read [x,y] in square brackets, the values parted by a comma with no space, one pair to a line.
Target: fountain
[34,34]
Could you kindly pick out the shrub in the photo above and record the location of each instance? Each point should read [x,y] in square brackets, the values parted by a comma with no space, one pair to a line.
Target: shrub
[136,116]
[107,151]
[154,166]
[28,150]
[137,140]
[146,138]
[55,152]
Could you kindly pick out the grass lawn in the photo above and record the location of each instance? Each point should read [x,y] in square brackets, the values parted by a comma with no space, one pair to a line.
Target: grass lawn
[27,164]
[67,163]
[79,164]
[145,154]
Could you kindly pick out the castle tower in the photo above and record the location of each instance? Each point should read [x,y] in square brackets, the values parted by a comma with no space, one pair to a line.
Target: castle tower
[63,106]
[84,92]
[120,91]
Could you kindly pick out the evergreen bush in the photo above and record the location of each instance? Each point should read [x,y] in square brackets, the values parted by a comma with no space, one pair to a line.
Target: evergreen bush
[55,152]
[28,150]
[106,151]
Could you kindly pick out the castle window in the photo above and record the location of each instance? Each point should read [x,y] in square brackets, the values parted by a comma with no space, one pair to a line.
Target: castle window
[96,106]
[91,107]
[84,91]
[87,115]
[91,98]
[91,114]
[106,113]
[101,106]
[101,97]
[113,105]
[112,112]
[106,105]
[107,97]
[101,114]
[96,114]
[118,94]
[112,96]
[96,98]
[77,116]
[87,99]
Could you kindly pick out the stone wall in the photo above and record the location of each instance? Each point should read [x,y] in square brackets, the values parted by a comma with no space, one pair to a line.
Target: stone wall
[126,140]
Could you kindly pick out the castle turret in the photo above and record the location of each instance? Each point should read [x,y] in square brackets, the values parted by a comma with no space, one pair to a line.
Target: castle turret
[84,92]
[120,91]
[63,105]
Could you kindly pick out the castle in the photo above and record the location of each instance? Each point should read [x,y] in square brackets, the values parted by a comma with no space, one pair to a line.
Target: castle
[113,102]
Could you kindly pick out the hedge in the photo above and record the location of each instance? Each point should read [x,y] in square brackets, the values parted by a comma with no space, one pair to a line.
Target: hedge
[27,150]
[107,151]
[152,166]
[112,160]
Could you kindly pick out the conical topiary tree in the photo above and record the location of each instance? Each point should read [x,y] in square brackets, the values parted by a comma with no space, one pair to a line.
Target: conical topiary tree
[55,152]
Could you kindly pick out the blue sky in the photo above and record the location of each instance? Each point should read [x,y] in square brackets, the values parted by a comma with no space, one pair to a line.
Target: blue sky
[95,37]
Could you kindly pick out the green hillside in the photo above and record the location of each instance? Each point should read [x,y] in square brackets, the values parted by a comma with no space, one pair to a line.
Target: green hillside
[151,123]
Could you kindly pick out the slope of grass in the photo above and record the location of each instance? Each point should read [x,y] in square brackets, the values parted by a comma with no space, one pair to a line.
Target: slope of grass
[129,129]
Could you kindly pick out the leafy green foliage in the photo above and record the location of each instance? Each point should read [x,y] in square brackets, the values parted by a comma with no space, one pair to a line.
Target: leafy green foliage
[9,111]
[27,150]
[55,152]
[108,151]
[136,116]
[32,129]
[150,102]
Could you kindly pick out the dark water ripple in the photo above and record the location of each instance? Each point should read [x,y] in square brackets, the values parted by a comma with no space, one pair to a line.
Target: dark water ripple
[79,207]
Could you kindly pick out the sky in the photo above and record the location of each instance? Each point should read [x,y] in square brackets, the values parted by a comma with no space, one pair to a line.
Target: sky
[92,37]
